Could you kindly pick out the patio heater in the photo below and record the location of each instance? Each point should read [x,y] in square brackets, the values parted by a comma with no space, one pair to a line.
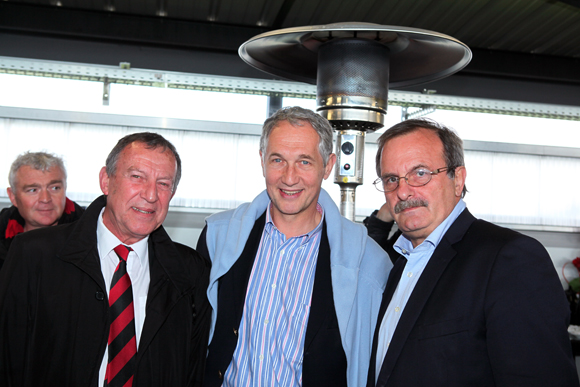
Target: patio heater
[353,65]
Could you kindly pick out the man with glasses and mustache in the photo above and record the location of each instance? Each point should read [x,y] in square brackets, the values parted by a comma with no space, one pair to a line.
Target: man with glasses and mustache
[468,303]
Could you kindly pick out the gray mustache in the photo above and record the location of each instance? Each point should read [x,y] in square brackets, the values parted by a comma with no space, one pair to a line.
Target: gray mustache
[410,204]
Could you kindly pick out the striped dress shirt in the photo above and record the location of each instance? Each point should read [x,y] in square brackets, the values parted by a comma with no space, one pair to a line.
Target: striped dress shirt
[271,336]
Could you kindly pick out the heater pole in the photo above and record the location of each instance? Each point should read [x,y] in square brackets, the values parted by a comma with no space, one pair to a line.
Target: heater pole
[348,171]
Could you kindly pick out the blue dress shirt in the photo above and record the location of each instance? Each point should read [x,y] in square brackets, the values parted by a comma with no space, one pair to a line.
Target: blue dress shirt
[417,259]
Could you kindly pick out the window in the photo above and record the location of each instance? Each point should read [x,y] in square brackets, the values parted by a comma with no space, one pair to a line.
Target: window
[220,160]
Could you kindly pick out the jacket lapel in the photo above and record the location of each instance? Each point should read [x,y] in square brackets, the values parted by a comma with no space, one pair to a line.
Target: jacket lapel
[243,269]
[168,283]
[392,282]
[81,247]
[441,257]
[322,305]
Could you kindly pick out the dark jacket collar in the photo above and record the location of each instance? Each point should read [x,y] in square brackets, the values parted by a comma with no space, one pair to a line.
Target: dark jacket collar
[10,218]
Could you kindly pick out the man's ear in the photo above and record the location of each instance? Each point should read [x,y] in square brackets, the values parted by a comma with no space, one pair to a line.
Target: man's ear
[12,197]
[262,163]
[104,180]
[329,165]
[460,176]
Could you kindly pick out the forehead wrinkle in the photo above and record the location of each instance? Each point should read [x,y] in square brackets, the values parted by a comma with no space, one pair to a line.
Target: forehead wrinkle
[133,168]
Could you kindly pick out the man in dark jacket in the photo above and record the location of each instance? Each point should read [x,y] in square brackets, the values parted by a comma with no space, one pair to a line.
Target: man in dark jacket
[38,195]
[110,299]
[468,303]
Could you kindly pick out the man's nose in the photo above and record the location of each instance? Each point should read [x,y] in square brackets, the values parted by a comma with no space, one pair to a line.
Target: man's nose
[45,196]
[149,191]
[404,190]
[290,176]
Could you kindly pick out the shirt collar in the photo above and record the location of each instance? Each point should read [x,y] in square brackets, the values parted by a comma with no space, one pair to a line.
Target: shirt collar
[432,241]
[107,241]
[270,226]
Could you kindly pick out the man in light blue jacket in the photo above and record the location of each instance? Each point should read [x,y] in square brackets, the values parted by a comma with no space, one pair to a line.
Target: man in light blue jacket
[294,286]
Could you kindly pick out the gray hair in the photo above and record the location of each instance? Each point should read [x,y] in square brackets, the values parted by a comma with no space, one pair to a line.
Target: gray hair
[296,116]
[151,141]
[41,161]
[452,144]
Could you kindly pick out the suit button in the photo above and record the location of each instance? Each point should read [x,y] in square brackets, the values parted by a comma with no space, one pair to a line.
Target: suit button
[220,375]
[236,332]
[100,296]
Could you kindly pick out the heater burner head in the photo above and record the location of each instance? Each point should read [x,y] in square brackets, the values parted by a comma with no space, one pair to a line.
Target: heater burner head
[416,56]
[353,65]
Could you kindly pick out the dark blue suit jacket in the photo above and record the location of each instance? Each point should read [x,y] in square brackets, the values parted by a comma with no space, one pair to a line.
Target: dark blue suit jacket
[488,310]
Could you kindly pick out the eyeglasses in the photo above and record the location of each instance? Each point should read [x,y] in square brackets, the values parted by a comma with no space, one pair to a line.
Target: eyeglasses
[418,177]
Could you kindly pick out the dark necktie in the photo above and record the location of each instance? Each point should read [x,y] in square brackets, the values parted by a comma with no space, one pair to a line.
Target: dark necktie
[122,341]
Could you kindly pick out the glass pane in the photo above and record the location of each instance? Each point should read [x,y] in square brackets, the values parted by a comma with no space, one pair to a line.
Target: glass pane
[50,93]
[187,104]
[87,96]
[511,129]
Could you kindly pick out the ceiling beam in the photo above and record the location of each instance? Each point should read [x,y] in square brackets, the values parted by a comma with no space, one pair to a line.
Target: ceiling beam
[160,43]
[130,29]
[515,65]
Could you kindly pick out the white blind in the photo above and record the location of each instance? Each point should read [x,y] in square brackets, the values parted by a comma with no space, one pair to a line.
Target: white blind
[223,170]
[523,189]
[219,170]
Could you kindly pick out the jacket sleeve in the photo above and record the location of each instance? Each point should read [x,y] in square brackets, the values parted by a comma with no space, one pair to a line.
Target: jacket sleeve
[16,292]
[201,247]
[379,231]
[527,318]
[201,322]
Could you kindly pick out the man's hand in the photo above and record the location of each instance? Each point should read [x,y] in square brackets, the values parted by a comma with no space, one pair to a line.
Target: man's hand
[384,214]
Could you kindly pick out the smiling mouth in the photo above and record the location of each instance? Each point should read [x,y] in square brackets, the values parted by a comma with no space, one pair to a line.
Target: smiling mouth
[141,211]
[290,193]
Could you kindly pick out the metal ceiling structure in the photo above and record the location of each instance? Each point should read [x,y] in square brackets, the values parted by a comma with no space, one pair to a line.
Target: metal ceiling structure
[523,50]
[275,88]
